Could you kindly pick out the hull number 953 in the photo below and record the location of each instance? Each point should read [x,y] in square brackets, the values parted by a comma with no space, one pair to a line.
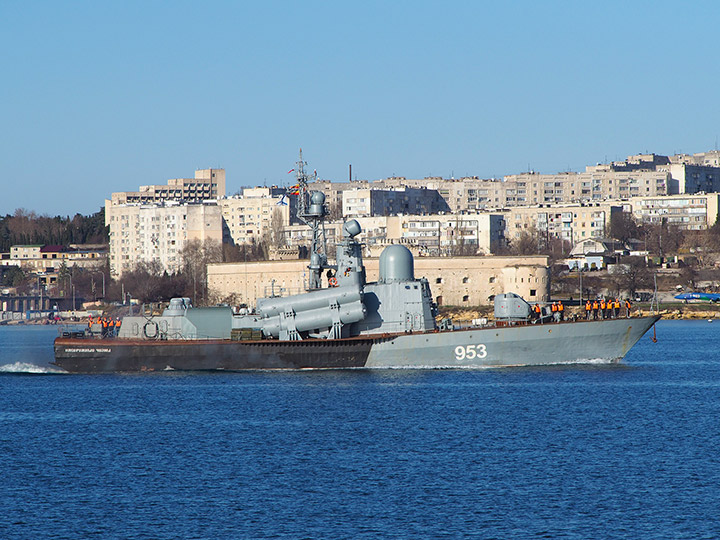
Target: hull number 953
[470,352]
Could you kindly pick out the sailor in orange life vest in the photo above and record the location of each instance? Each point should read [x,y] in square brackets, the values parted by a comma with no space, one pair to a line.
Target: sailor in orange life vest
[555,313]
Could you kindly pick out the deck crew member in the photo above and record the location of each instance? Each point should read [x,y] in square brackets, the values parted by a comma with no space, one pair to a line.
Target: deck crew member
[561,310]
[588,309]
[627,307]
[602,308]
[536,311]
[596,306]
[616,307]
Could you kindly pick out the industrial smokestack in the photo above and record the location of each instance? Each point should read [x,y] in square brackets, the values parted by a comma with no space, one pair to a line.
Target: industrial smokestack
[350,172]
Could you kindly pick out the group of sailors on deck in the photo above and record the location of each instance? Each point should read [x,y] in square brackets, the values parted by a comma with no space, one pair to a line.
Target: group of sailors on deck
[557,309]
[605,308]
[110,327]
[601,308]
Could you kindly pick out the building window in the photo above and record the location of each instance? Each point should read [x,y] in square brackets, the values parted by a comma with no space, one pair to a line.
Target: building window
[533,292]
[466,298]
[438,280]
[465,279]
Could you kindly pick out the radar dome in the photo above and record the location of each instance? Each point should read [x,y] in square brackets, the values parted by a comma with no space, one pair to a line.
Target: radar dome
[317,197]
[396,264]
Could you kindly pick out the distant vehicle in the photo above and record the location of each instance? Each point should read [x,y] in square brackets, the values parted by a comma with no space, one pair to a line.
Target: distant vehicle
[704,297]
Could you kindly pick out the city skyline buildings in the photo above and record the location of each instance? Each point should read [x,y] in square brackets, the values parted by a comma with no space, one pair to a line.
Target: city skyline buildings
[414,90]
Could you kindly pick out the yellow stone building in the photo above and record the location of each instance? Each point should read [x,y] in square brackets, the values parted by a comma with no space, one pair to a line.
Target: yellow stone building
[454,281]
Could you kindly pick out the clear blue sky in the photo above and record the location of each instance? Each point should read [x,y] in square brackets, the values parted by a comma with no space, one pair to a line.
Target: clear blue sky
[99,97]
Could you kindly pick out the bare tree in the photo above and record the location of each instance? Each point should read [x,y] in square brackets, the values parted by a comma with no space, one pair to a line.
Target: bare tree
[277,229]
[663,239]
[633,275]
[196,255]
[526,243]
[623,227]
[335,211]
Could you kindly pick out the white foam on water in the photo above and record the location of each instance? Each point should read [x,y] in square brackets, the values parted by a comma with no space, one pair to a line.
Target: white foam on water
[24,367]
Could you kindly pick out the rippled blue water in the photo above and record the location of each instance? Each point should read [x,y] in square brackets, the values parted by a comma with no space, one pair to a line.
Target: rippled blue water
[629,451]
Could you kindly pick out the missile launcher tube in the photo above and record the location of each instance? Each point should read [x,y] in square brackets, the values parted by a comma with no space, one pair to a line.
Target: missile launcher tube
[315,318]
[323,298]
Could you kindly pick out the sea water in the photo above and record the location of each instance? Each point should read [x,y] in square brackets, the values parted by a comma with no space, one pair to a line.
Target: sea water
[596,451]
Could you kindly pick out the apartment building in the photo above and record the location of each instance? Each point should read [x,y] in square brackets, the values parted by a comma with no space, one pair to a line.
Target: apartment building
[49,258]
[426,235]
[570,222]
[640,175]
[207,184]
[250,216]
[158,232]
[689,212]
[368,202]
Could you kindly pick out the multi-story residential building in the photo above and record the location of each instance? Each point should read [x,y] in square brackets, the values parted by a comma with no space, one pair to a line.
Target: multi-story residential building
[158,232]
[334,193]
[689,211]
[249,216]
[570,222]
[640,175]
[596,184]
[392,201]
[49,258]
[443,234]
[207,184]
[437,234]
[708,159]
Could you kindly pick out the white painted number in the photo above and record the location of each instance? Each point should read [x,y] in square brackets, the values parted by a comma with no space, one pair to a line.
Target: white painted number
[470,352]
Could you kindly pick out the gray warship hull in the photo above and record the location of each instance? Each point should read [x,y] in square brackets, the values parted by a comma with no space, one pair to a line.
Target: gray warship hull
[490,346]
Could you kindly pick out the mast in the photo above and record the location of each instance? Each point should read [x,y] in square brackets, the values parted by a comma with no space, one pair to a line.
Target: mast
[311,211]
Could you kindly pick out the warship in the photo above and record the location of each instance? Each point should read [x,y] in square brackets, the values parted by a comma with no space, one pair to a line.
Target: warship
[351,323]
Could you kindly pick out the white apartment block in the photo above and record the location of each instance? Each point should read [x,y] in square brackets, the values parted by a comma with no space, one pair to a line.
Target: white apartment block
[158,232]
[249,216]
[207,184]
[688,212]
